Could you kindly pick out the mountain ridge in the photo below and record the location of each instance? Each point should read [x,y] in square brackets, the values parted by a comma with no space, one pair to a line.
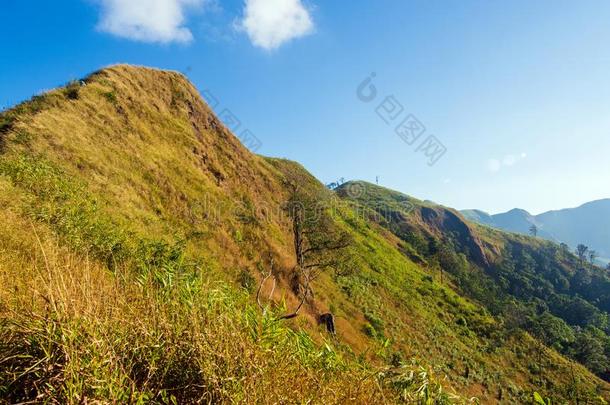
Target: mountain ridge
[137,233]
[586,224]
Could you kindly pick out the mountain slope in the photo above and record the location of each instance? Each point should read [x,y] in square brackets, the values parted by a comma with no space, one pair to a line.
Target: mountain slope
[136,229]
[478,216]
[588,224]
[527,282]
[515,220]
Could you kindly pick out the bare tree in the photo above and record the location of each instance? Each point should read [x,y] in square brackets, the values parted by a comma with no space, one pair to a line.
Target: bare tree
[564,249]
[581,251]
[328,320]
[260,287]
[592,256]
[264,308]
[318,243]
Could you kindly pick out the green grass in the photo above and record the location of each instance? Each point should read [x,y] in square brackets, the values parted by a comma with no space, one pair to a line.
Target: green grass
[483,339]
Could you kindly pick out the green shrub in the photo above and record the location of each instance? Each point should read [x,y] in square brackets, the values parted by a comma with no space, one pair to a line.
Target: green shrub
[111,97]
[7,122]
[374,320]
[369,330]
[246,280]
[71,91]
[8,118]
[65,205]
[23,137]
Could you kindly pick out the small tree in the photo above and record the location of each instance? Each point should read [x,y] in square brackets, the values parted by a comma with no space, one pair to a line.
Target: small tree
[581,252]
[318,242]
[592,256]
[534,230]
[564,249]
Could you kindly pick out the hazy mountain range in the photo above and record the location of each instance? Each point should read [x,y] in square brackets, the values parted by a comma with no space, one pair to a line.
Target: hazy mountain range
[588,224]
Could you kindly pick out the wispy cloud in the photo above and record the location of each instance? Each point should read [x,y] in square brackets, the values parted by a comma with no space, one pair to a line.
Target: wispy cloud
[160,21]
[495,165]
[271,23]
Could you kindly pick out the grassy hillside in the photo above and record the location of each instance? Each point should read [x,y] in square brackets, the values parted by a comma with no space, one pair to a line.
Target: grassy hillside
[529,284]
[135,230]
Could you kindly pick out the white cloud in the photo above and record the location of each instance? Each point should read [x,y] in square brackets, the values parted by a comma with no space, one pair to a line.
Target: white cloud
[495,165]
[271,23]
[147,20]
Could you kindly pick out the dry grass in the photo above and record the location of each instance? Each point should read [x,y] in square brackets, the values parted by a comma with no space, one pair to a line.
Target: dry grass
[73,332]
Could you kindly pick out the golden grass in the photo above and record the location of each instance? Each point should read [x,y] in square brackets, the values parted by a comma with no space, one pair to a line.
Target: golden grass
[73,332]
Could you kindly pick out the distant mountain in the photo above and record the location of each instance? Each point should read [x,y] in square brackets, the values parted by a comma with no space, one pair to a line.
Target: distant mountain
[588,224]
[478,216]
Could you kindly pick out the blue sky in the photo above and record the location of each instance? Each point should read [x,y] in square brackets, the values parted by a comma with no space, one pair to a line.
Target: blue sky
[518,93]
